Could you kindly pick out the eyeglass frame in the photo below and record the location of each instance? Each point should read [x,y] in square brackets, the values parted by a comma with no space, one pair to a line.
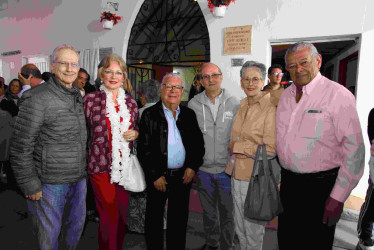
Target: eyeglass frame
[172,87]
[213,76]
[245,81]
[278,73]
[111,72]
[66,64]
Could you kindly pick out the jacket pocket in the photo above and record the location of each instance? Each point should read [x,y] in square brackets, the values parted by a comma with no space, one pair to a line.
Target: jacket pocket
[62,161]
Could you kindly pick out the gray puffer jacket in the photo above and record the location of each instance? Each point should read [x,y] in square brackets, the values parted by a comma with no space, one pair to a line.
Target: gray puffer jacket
[216,133]
[49,139]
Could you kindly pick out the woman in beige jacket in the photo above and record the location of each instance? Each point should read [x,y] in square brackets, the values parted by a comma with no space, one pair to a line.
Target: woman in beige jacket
[253,124]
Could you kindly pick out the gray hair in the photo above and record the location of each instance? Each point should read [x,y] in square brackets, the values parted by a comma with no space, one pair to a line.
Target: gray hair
[60,47]
[253,64]
[150,90]
[173,74]
[300,45]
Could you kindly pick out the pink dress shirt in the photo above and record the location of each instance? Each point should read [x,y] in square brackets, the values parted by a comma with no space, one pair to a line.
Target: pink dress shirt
[320,133]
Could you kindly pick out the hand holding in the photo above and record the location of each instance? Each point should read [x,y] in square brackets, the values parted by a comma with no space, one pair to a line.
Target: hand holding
[130,135]
[23,80]
[160,184]
[333,211]
[188,175]
[35,197]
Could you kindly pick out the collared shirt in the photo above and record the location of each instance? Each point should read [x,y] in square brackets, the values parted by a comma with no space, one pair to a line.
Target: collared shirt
[214,107]
[321,132]
[25,88]
[253,124]
[176,151]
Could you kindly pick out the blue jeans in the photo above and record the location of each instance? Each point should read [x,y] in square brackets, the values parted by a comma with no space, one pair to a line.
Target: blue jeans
[216,200]
[58,217]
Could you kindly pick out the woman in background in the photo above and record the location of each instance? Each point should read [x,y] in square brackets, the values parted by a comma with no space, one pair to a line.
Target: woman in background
[10,101]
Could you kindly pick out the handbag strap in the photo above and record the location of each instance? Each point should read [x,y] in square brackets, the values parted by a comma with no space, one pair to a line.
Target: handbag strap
[257,158]
[265,159]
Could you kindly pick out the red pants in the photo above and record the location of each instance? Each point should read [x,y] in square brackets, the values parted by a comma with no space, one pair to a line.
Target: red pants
[111,203]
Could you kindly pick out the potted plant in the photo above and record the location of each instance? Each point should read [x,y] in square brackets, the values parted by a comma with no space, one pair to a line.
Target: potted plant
[218,7]
[109,19]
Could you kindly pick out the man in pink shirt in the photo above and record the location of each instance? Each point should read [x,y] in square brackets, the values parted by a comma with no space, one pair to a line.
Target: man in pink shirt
[320,146]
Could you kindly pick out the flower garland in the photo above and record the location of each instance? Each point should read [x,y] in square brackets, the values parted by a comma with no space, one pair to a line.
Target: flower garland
[121,161]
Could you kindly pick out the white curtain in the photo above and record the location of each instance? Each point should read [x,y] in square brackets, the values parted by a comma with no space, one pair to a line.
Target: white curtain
[89,60]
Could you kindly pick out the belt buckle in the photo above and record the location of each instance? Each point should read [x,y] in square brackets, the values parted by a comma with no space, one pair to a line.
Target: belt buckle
[173,172]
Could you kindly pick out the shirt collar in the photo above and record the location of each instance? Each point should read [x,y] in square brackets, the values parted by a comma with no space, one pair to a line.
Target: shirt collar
[168,110]
[307,89]
[262,101]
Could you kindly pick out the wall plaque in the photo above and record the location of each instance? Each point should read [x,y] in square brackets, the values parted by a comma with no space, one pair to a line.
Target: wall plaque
[237,62]
[237,40]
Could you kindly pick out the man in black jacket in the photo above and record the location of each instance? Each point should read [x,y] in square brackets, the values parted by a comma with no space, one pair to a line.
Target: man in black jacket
[170,150]
[48,154]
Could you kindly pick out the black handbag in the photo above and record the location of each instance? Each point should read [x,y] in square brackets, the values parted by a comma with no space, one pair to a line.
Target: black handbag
[262,202]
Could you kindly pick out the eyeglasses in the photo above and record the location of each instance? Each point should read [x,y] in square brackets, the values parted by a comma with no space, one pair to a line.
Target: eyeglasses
[116,73]
[278,74]
[66,64]
[213,76]
[172,87]
[255,80]
[303,64]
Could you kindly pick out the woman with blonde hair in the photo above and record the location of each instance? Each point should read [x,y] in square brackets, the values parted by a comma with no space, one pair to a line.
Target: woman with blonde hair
[111,115]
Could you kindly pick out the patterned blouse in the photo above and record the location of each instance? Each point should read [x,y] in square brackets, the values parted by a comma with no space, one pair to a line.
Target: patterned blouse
[99,154]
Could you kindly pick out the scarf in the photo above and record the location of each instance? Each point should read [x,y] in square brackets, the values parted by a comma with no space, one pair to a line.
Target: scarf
[120,147]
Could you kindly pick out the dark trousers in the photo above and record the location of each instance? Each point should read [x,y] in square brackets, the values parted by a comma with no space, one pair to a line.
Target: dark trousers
[178,195]
[366,217]
[303,198]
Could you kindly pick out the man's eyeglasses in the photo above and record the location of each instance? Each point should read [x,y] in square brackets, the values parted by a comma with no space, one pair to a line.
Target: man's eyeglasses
[116,73]
[303,64]
[278,74]
[66,64]
[255,80]
[213,76]
[171,87]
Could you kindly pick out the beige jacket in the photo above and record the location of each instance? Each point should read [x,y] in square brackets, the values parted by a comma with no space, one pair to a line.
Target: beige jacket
[253,124]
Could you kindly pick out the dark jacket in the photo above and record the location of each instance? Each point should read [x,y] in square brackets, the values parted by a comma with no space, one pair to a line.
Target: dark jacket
[49,138]
[153,141]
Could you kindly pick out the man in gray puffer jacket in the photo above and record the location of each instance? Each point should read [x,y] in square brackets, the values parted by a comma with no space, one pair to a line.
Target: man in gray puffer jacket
[48,154]
[215,110]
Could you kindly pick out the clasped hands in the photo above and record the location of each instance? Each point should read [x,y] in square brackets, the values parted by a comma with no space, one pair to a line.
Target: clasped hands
[160,183]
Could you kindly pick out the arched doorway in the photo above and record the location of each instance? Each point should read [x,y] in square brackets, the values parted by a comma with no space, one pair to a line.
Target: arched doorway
[167,36]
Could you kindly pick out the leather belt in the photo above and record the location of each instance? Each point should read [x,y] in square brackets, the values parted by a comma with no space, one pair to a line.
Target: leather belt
[173,171]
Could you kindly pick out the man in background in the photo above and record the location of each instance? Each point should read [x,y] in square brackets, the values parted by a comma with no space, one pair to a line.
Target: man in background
[30,77]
